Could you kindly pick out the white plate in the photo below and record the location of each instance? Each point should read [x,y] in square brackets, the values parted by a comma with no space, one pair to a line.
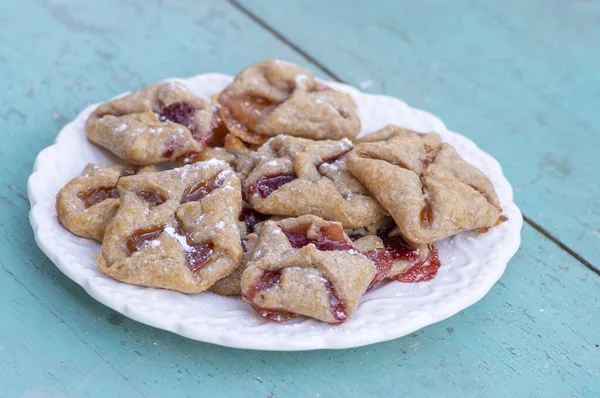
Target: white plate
[471,263]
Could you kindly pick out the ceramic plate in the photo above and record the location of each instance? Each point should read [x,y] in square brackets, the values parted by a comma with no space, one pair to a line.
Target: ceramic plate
[471,263]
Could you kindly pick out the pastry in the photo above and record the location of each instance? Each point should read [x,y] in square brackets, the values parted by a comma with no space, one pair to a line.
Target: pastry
[87,203]
[275,97]
[306,266]
[297,176]
[175,229]
[159,123]
[435,193]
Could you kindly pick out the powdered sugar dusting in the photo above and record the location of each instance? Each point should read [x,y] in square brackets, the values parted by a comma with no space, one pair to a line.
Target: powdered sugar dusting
[170,231]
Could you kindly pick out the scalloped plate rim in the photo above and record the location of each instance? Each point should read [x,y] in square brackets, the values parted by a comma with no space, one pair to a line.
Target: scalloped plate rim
[236,340]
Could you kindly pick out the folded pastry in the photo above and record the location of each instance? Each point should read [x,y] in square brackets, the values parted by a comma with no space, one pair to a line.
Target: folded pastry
[306,266]
[429,190]
[175,229]
[383,243]
[298,176]
[88,202]
[275,97]
[158,123]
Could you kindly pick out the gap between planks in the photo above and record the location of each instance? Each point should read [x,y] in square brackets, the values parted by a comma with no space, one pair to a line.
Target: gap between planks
[335,77]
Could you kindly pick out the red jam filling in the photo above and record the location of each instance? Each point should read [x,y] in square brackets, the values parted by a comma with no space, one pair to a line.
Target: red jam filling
[333,159]
[251,217]
[424,270]
[198,256]
[200,190]
[267,280]
[170,148]
[141,237]
[420,269]
[338,309]
[97,195]
[383,261]
[327,241]
[152,197]
[398,247]
[180,113]
[265,186]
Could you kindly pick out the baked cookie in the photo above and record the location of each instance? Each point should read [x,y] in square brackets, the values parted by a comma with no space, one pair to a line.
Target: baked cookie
[384,244]
[175,229]
[89,201]
[158,123]
[297,176]
[274,97]
[429,190]
[306,266]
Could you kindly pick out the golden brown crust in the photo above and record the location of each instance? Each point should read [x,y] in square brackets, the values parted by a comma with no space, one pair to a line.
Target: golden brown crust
[87,203]
[319,182]
[274,97]
[175,229]
[138,127]
[324,284]
[435,193]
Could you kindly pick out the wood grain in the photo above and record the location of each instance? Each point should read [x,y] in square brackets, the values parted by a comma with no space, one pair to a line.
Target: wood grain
[535,334]
[518,77]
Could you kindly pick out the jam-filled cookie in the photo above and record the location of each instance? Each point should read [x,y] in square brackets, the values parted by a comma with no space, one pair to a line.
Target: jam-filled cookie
[87,203]
[275,97]
[429,190]
[383,243]
[297,176]
[175,229]
[159,123]
[306,266]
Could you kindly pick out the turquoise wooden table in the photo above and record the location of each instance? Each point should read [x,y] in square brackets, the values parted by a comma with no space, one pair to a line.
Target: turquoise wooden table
[520,77]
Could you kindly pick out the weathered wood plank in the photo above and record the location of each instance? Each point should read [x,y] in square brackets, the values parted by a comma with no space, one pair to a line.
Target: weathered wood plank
[519,77]
[56,341]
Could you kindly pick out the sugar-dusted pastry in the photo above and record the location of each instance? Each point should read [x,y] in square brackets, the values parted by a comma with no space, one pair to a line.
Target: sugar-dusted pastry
[158,123]
[89,201]
[175,229]
[297,176]
[429,190]
[276,97]
[383,243]
[306,266]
